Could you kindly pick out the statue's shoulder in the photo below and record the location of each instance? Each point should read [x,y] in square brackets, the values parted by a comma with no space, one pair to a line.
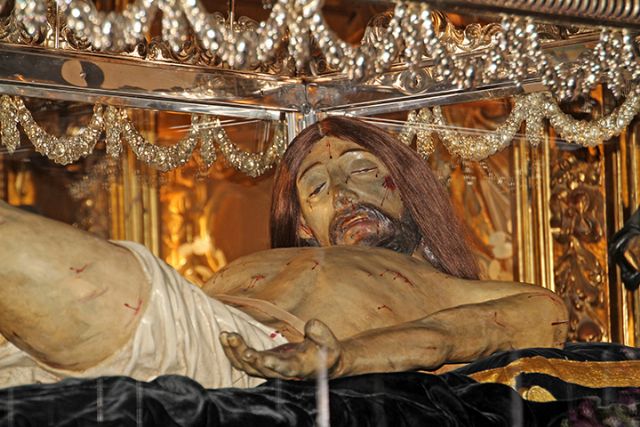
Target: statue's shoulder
[258,267]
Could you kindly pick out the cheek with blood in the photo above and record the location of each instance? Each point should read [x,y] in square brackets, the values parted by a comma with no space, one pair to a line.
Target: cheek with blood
[389,186]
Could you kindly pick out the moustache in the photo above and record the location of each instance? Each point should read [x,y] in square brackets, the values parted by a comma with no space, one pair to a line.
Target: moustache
[356,213]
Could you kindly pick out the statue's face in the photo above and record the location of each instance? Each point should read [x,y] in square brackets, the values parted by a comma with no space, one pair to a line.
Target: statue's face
[347,197]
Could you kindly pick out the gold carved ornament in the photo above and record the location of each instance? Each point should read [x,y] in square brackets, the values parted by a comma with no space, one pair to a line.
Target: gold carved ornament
[586,374]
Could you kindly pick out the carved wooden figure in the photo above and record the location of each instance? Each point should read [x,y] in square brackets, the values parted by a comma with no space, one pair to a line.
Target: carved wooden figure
[385,283]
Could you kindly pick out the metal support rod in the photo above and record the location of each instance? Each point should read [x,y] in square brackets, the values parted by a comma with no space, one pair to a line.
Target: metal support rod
[615,13]
[56,41]
[608,13]
[292,126]
[297,122]
[232,14]
[443,98]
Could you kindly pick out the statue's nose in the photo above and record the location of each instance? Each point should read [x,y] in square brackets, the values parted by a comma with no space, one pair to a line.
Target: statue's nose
[343,196]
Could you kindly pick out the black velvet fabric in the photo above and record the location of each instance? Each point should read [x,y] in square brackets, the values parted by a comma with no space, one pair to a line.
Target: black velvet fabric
[402,399]
[618,245]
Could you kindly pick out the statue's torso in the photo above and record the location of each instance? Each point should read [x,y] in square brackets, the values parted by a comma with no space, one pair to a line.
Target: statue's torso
[352,289]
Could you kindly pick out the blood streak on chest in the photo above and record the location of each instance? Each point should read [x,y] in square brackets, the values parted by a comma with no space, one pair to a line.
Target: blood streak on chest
[496,321]
[135,309]
[79,270]
[397,275]
[254,280]
[383,307]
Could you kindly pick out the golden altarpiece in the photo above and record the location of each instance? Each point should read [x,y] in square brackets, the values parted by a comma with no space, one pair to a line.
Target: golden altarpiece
[541,201]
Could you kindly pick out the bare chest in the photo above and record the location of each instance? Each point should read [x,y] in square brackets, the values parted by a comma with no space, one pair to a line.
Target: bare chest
[350,294]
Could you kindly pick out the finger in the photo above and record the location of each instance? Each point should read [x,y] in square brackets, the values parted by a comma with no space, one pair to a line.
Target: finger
[320,333]
[249,362]
[245,354]
[228,351]
[322,336]
[239,353]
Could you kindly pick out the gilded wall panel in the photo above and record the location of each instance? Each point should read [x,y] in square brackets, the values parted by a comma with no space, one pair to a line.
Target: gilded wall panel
[213,217]
[545,207]
[208,222]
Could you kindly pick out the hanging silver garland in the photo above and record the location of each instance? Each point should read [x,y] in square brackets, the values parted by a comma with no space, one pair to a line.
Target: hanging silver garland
[531,109]
[205,132]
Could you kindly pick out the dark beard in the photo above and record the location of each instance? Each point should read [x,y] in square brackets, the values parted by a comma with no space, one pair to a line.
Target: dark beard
[400,235]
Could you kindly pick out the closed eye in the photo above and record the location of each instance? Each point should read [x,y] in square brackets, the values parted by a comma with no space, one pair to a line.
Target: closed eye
[317,189]
[364,170]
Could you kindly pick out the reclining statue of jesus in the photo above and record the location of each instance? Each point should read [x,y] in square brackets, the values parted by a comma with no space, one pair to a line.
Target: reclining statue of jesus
[369,268]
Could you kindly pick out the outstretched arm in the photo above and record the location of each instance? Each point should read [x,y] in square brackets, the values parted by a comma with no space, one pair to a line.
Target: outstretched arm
[531,318]
[460,334]
[67,297]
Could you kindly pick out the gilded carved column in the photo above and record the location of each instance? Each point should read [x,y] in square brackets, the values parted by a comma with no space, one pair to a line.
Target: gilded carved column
[134,201]
[532,231]
[632,310]
[3,179]
[579,244]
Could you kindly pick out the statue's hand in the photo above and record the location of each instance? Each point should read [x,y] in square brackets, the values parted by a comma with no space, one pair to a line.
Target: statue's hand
[288,361]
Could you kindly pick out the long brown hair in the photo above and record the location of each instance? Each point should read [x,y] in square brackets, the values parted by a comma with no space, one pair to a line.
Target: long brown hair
[421,193]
